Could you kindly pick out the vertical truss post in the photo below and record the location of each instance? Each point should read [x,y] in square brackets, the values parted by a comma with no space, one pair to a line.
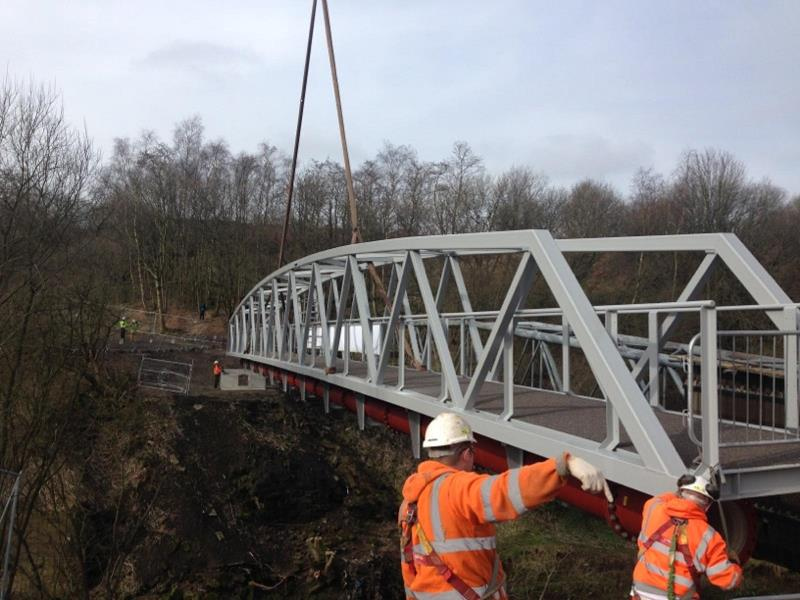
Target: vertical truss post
[508,373]
[653,347]
[428,351]
[302,346]
[332,305]
[565,366]
[443,395]
[362,302]
[341,319]
[278,321]
[264,321]
[231,338]
[612,419]
[401,359]
[414,432]
[297,311]
[435,326]
[326,398]
[322,313]
[462,356]
[252,325]
[245,341]
[708,387]
[790,374]
[347,332]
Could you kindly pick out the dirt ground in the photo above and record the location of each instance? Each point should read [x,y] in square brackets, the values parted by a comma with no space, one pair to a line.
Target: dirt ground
[255,494]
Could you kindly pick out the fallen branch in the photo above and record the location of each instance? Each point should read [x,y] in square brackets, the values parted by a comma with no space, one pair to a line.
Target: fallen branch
[266,588]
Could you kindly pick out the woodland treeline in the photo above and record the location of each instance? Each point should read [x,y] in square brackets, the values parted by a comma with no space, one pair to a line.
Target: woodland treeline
[189,221]
[165,224]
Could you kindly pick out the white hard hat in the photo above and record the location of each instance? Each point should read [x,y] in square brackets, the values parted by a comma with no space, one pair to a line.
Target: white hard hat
[697,484]
[447,429]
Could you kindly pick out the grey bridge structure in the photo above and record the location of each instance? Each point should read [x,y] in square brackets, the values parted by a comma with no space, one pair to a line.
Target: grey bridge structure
[645,391]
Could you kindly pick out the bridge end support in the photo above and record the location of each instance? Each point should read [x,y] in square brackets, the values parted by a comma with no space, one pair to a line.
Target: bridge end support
[360,411]
[414,433]
[514,457]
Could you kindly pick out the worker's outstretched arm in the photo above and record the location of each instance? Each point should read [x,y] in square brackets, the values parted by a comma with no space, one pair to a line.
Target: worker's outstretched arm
[488,499]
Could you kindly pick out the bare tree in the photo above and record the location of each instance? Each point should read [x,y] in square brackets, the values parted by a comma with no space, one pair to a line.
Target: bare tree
[51,317]
[709,191]
[593,209]
[458,197]
[518,200]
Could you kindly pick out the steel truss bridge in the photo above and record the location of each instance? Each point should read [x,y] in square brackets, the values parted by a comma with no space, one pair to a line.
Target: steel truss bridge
[644,391]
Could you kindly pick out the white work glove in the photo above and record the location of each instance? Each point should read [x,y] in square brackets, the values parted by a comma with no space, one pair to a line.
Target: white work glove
[591,479]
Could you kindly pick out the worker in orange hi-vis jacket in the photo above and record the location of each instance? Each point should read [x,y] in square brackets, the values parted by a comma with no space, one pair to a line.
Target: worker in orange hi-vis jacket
[677,545]
[218,371]
[446,520]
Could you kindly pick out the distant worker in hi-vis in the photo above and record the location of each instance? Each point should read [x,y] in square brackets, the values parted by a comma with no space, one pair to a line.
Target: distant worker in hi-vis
[123,326]
[446,520]
[677,545]
[218,371]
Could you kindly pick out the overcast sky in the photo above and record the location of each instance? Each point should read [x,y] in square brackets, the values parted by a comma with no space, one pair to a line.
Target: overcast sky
[571,89]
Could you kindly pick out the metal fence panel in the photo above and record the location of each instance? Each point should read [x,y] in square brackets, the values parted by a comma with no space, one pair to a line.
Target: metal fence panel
[165,375]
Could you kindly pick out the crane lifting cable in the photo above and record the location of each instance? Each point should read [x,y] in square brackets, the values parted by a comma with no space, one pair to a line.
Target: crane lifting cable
[351,196]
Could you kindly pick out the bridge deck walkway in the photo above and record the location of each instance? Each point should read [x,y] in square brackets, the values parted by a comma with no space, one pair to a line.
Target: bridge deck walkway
[585,417]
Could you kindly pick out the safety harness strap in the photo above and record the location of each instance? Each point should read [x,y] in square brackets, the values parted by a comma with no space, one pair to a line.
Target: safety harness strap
[654,538]
[407,518]
[675,545]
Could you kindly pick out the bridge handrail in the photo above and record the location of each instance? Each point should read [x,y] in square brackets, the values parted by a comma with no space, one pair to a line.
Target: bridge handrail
[690,385]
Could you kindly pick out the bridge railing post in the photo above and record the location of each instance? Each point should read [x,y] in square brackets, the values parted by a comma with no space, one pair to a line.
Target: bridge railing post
[443,390]
[654,343]
[709,393]
[612,438]
[565,369]
[790,376]
[401,356]
[508,372]
[346,352]
[461,350]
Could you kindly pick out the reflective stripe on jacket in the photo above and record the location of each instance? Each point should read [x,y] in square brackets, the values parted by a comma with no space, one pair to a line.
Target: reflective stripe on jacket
[706,548]
[457,511]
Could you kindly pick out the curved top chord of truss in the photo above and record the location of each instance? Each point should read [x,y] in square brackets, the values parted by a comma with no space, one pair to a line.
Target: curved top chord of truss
[611,397]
